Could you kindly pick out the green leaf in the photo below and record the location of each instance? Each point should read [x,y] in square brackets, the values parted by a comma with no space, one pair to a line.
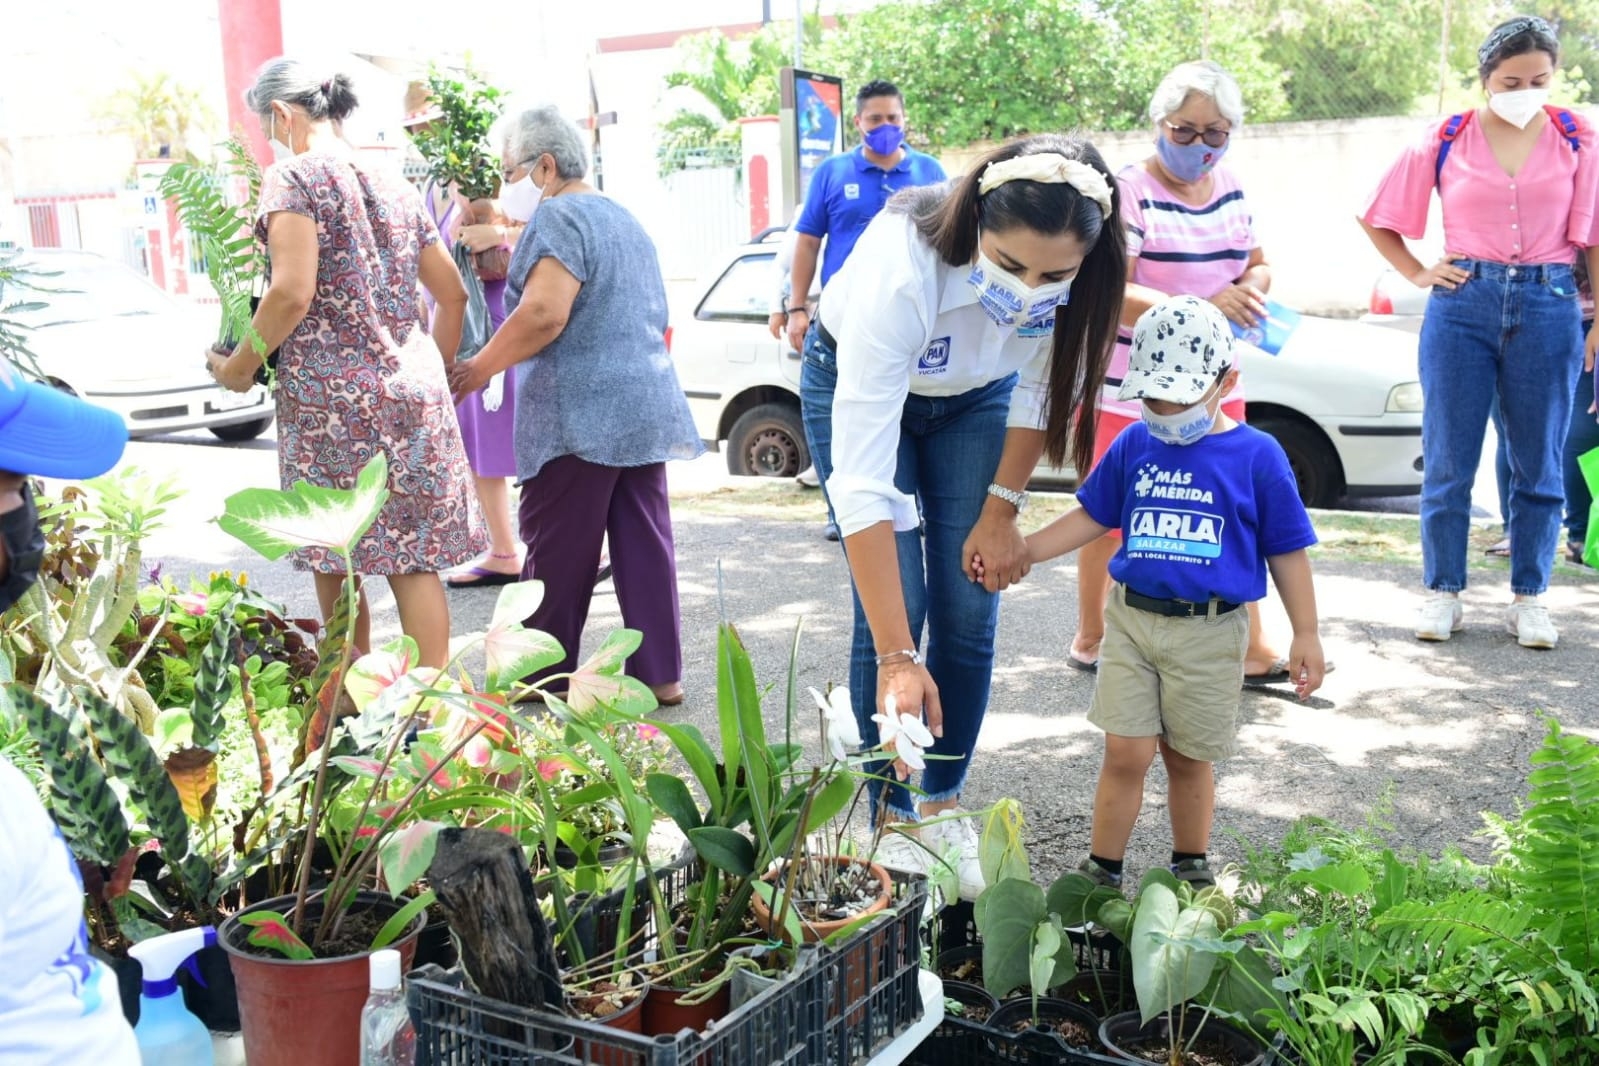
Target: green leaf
[271,930]
[793,932]
[1347,879]
[1001,851]
[1012,911]
[401,920]
[516,602]
[87,811]
[511,653]
[829,801]
[1167,970]
[1041,964]
[405,856]
[1078,899]
[726,849]
[672,796]
[128,754]
[275,522]
[213,684]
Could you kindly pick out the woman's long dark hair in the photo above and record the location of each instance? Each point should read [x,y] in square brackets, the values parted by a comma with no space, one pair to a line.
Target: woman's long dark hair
[948,218]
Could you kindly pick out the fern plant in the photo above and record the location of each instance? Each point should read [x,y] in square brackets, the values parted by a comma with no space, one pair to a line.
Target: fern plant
[222,233]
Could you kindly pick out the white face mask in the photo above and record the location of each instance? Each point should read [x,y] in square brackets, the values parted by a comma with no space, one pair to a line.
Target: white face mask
[1184,427]
[1011,305]
[1520,107]
[520,199]
[280,150]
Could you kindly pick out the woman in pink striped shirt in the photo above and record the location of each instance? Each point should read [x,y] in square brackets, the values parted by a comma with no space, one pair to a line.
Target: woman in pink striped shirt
[1189,232]
[1518,183]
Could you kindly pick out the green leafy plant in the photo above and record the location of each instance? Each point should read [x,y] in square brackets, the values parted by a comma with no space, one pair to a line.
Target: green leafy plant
[456,145]
[223,233]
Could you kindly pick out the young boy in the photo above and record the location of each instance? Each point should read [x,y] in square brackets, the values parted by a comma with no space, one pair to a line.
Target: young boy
[1205,505]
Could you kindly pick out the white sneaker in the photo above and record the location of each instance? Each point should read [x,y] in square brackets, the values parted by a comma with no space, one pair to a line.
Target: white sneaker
[897,851]
[809,478]
[1440,616]
[1528,621]
[955,842]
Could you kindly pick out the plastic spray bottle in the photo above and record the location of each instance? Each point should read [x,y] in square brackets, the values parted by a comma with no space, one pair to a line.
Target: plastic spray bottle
[167,1033]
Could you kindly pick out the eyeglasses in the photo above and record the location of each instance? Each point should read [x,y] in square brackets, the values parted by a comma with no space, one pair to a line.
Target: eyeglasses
[506,174]
[1188,135]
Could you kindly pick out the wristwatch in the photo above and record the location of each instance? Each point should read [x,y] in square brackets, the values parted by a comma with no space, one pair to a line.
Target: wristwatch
[1016,498]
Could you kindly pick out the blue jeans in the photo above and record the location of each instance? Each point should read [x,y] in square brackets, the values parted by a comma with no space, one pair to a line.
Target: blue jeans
[1511,335]
[949,448]
[1582,436]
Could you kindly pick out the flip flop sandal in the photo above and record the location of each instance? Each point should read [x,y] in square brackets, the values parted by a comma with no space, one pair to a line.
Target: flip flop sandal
[480,577]
[1277,675]
[1501,550]
[1077,662]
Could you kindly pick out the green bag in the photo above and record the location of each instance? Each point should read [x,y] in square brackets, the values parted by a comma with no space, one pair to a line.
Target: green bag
[1588,463]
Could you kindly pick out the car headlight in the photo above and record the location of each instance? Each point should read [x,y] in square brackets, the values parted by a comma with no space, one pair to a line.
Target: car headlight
[1406,397]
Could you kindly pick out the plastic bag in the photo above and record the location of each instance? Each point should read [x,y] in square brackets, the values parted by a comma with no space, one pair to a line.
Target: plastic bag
[1588,463]
[475,327]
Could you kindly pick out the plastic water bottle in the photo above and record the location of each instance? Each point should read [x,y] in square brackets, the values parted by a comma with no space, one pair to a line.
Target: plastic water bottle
[387,1038]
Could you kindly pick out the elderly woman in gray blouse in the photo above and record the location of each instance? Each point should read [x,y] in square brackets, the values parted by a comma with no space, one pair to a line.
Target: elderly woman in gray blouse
[599,407]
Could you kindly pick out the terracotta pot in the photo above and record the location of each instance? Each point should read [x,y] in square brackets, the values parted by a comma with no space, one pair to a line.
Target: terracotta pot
[1228,1046]
[815,932]
[665,1014]
[306,1013]
[493,263]
[630,1019]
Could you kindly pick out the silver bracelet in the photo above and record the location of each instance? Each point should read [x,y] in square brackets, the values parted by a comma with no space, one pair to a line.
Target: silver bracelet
[910,655]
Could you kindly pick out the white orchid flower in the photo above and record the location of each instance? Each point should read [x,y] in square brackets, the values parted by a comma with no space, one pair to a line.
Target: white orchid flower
[904,734]
[839,727]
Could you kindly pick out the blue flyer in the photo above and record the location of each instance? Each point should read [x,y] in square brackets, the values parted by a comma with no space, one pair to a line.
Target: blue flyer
[1271,334]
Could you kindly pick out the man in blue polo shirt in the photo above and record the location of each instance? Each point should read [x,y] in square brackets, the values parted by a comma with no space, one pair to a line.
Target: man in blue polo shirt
[847,191]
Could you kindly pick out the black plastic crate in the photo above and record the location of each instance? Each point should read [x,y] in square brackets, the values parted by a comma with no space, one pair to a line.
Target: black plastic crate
[854,1000]
[961,1043]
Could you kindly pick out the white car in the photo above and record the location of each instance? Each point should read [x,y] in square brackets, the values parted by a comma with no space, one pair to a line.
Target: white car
[107,334]
[1342,398]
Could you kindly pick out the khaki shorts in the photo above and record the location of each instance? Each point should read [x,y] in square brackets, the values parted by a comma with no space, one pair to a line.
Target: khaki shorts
[1176,678]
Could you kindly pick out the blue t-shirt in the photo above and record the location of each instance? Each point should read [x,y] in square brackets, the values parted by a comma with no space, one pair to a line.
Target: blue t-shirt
[847,191]
[1199,520]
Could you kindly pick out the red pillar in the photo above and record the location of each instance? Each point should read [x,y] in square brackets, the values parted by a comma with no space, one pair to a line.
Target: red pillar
[252,33]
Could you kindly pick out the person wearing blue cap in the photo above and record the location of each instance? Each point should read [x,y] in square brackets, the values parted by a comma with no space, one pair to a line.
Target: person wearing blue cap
[57,1002]
[47,433]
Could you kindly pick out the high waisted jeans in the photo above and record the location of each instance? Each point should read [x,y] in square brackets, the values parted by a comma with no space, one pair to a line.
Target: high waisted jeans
[1511,333]
[949,447]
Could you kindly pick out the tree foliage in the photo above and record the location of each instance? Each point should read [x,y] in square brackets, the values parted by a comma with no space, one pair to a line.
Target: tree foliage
[159,113]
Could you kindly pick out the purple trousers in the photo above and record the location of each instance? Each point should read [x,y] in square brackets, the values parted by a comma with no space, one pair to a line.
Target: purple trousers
[565,513]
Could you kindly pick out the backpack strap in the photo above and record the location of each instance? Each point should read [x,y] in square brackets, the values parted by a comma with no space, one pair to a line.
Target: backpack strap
[1567,122]
[1446,141]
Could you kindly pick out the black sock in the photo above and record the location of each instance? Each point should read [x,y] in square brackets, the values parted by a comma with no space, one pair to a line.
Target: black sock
[1110,866]
[1180,856]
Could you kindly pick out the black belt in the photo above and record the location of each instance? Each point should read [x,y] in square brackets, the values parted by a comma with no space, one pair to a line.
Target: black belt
[1176,608]
[824,336]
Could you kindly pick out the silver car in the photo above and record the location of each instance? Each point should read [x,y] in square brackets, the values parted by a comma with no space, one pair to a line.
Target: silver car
[107,334]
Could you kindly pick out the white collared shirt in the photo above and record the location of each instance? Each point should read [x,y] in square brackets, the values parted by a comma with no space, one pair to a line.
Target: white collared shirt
[907,322]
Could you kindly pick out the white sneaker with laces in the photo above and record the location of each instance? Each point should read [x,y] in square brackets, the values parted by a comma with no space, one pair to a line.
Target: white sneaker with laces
[897,851]
[955,841]
[1528,621]
[1440,616]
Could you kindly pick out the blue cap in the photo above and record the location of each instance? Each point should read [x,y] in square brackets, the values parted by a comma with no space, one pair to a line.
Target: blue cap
[50,433]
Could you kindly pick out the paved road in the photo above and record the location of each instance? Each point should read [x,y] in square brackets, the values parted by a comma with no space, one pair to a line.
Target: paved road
[1439,731]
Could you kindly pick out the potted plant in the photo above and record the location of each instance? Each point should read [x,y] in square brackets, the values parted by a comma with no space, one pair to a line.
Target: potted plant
[1182,982]
[459,156]
[224,237]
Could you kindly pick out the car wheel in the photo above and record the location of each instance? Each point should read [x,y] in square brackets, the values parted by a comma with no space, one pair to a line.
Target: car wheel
[1310,456]
[768,441]
[241,431]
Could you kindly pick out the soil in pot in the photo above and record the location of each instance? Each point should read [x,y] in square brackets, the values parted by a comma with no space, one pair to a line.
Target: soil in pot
[1073,1024]
[961,964]
[308,1013]
[1218,1044]
[615,1006]
[829,893]
[1104,992]
[976,1005]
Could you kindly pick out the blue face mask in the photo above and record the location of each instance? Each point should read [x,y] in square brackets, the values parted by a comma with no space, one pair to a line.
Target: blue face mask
[1187,162]
[885,139]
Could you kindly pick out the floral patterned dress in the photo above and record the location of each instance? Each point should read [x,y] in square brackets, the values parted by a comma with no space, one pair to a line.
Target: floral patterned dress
[359,375]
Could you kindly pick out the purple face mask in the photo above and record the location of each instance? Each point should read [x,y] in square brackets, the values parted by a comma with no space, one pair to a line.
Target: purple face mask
[885,139]
[1188,162]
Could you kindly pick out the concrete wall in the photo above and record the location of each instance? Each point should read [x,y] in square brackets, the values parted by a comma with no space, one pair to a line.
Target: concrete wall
[1305,181]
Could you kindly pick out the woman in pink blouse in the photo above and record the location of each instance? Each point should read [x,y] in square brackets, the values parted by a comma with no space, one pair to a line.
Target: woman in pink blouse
[1518,184]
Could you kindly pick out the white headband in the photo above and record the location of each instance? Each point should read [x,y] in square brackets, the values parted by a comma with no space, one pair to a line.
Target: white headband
[1051,167]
